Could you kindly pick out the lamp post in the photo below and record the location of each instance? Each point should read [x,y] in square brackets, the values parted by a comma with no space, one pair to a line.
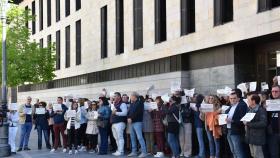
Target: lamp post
[4,146]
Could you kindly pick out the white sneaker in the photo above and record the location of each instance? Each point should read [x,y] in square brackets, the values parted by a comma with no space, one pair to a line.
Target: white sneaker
[142,155]
[132,154]
[83,148]
[76,151]
[159,154]
[70,152]
[64,150]
[117,153]
[53,150]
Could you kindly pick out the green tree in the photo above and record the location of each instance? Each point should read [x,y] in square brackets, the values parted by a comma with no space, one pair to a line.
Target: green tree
[27,61]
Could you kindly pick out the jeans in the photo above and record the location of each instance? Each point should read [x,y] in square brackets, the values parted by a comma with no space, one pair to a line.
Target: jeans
[136,128]
[72,137]
[235,144]
[12,138]
[273,145]
[199,134]
[25,134]
[118,129]
[174,144]
[104,140]
[214,144]
[256,151]
[185,136]
[46,136]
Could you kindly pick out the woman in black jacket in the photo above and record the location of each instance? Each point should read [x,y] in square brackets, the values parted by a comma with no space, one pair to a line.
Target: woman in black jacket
[41,124]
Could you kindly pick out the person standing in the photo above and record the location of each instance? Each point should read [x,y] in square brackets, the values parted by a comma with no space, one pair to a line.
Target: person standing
[25,120]
[13,119]
[83,141]
[92,129]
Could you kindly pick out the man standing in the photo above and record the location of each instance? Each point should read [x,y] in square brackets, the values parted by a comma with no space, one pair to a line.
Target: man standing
[235,127]
[59,126]
[25,119]
[135,119]
[256,128]
[118,118]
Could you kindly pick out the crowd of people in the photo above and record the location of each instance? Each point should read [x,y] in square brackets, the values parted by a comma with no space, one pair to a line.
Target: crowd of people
[125,125]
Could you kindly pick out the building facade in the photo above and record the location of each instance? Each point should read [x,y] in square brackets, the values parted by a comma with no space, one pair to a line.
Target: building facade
[128,45]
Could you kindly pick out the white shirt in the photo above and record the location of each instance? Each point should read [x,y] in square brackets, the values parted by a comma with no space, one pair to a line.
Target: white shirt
[231,113]
[13,118]
[123,107]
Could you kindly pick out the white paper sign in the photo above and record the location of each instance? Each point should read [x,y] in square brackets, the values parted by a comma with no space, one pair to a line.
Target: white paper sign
[253,86]
[112,94]
[264,86]
[248,117]
[150,106]
[175,86]
[184,100]
[86,105]
[113,107]
[165,98]
[40,111]
[28,111]
[278,79]
[207,107]
[193,106]
[242,87]
[57,107]
[222,119]
[189,92]
[224,108]
[71,113]
[221,92]
[13,106]
[273,105]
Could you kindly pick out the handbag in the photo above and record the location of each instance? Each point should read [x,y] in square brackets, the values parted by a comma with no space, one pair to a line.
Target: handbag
[102,122]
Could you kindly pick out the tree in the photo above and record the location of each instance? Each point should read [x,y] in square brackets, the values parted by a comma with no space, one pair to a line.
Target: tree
[27,61]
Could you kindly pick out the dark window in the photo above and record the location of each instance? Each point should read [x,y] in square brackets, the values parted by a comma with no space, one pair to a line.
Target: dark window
[78,4]
[67,47]
[34,17]
[264,5]
[78,42]
[57,10]
[160,21]
[26,16]
[49,12]
[138,24]
[41,43]
[104,32]
[67,8]
[49,40]
[275,3]
[57,42]
[187,16]
[41,11]
[119,27]
[223,11]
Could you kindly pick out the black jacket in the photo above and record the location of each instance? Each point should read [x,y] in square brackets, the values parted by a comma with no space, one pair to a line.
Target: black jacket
[186,113]
[256,129]
[136,111]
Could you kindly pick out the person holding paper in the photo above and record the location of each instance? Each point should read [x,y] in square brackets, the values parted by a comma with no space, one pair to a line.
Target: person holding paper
[148,127]
[73,118]
[83,141]
[92,128]
[256,129]
[235,127]
[125,99]
[135,119]
[50,123]
[59,126]
[13,119]
[41,124]
[25,120]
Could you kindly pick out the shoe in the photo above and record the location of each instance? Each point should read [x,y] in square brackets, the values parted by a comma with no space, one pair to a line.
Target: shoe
[70,152]
[159,154]
[91,151]
[19,149]
[64,150]
[13,153]
[117,153]
[102,154]
[76,151]
[26,148]
[142,155]
[83,148]
[53,150]
[132,154]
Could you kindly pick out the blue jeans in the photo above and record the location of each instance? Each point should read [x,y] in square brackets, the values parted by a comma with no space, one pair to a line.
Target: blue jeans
[25,130]
[235,144]
[137,127]
[199,134]
[174,144]
[46,136]
[104,140]
[214,144]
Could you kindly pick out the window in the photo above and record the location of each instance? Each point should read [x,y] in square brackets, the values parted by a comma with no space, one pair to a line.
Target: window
[264,5]
[223,11]
[78,42]
[67,8]
[160,21]
[187,16]
[78,4]
[41,43]
[57,43]
[34,16]
[49,13]
[104,32]
[275,3]
[67,47]
[57,10]
[26,16]
[41,14]
[119,27]
[138,24]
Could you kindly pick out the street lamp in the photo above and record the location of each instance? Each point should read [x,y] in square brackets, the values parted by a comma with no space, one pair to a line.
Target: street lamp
[5,149]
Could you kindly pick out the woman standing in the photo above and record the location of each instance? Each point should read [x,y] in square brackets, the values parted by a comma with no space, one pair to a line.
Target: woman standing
[50,122]
[73,125]
[92,129]
[104,113]
[148,129]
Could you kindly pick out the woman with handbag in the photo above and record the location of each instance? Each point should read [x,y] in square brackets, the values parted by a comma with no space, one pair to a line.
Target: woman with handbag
[104,113]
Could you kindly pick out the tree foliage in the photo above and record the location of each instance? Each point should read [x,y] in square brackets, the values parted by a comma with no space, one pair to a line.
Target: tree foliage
[27,61]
